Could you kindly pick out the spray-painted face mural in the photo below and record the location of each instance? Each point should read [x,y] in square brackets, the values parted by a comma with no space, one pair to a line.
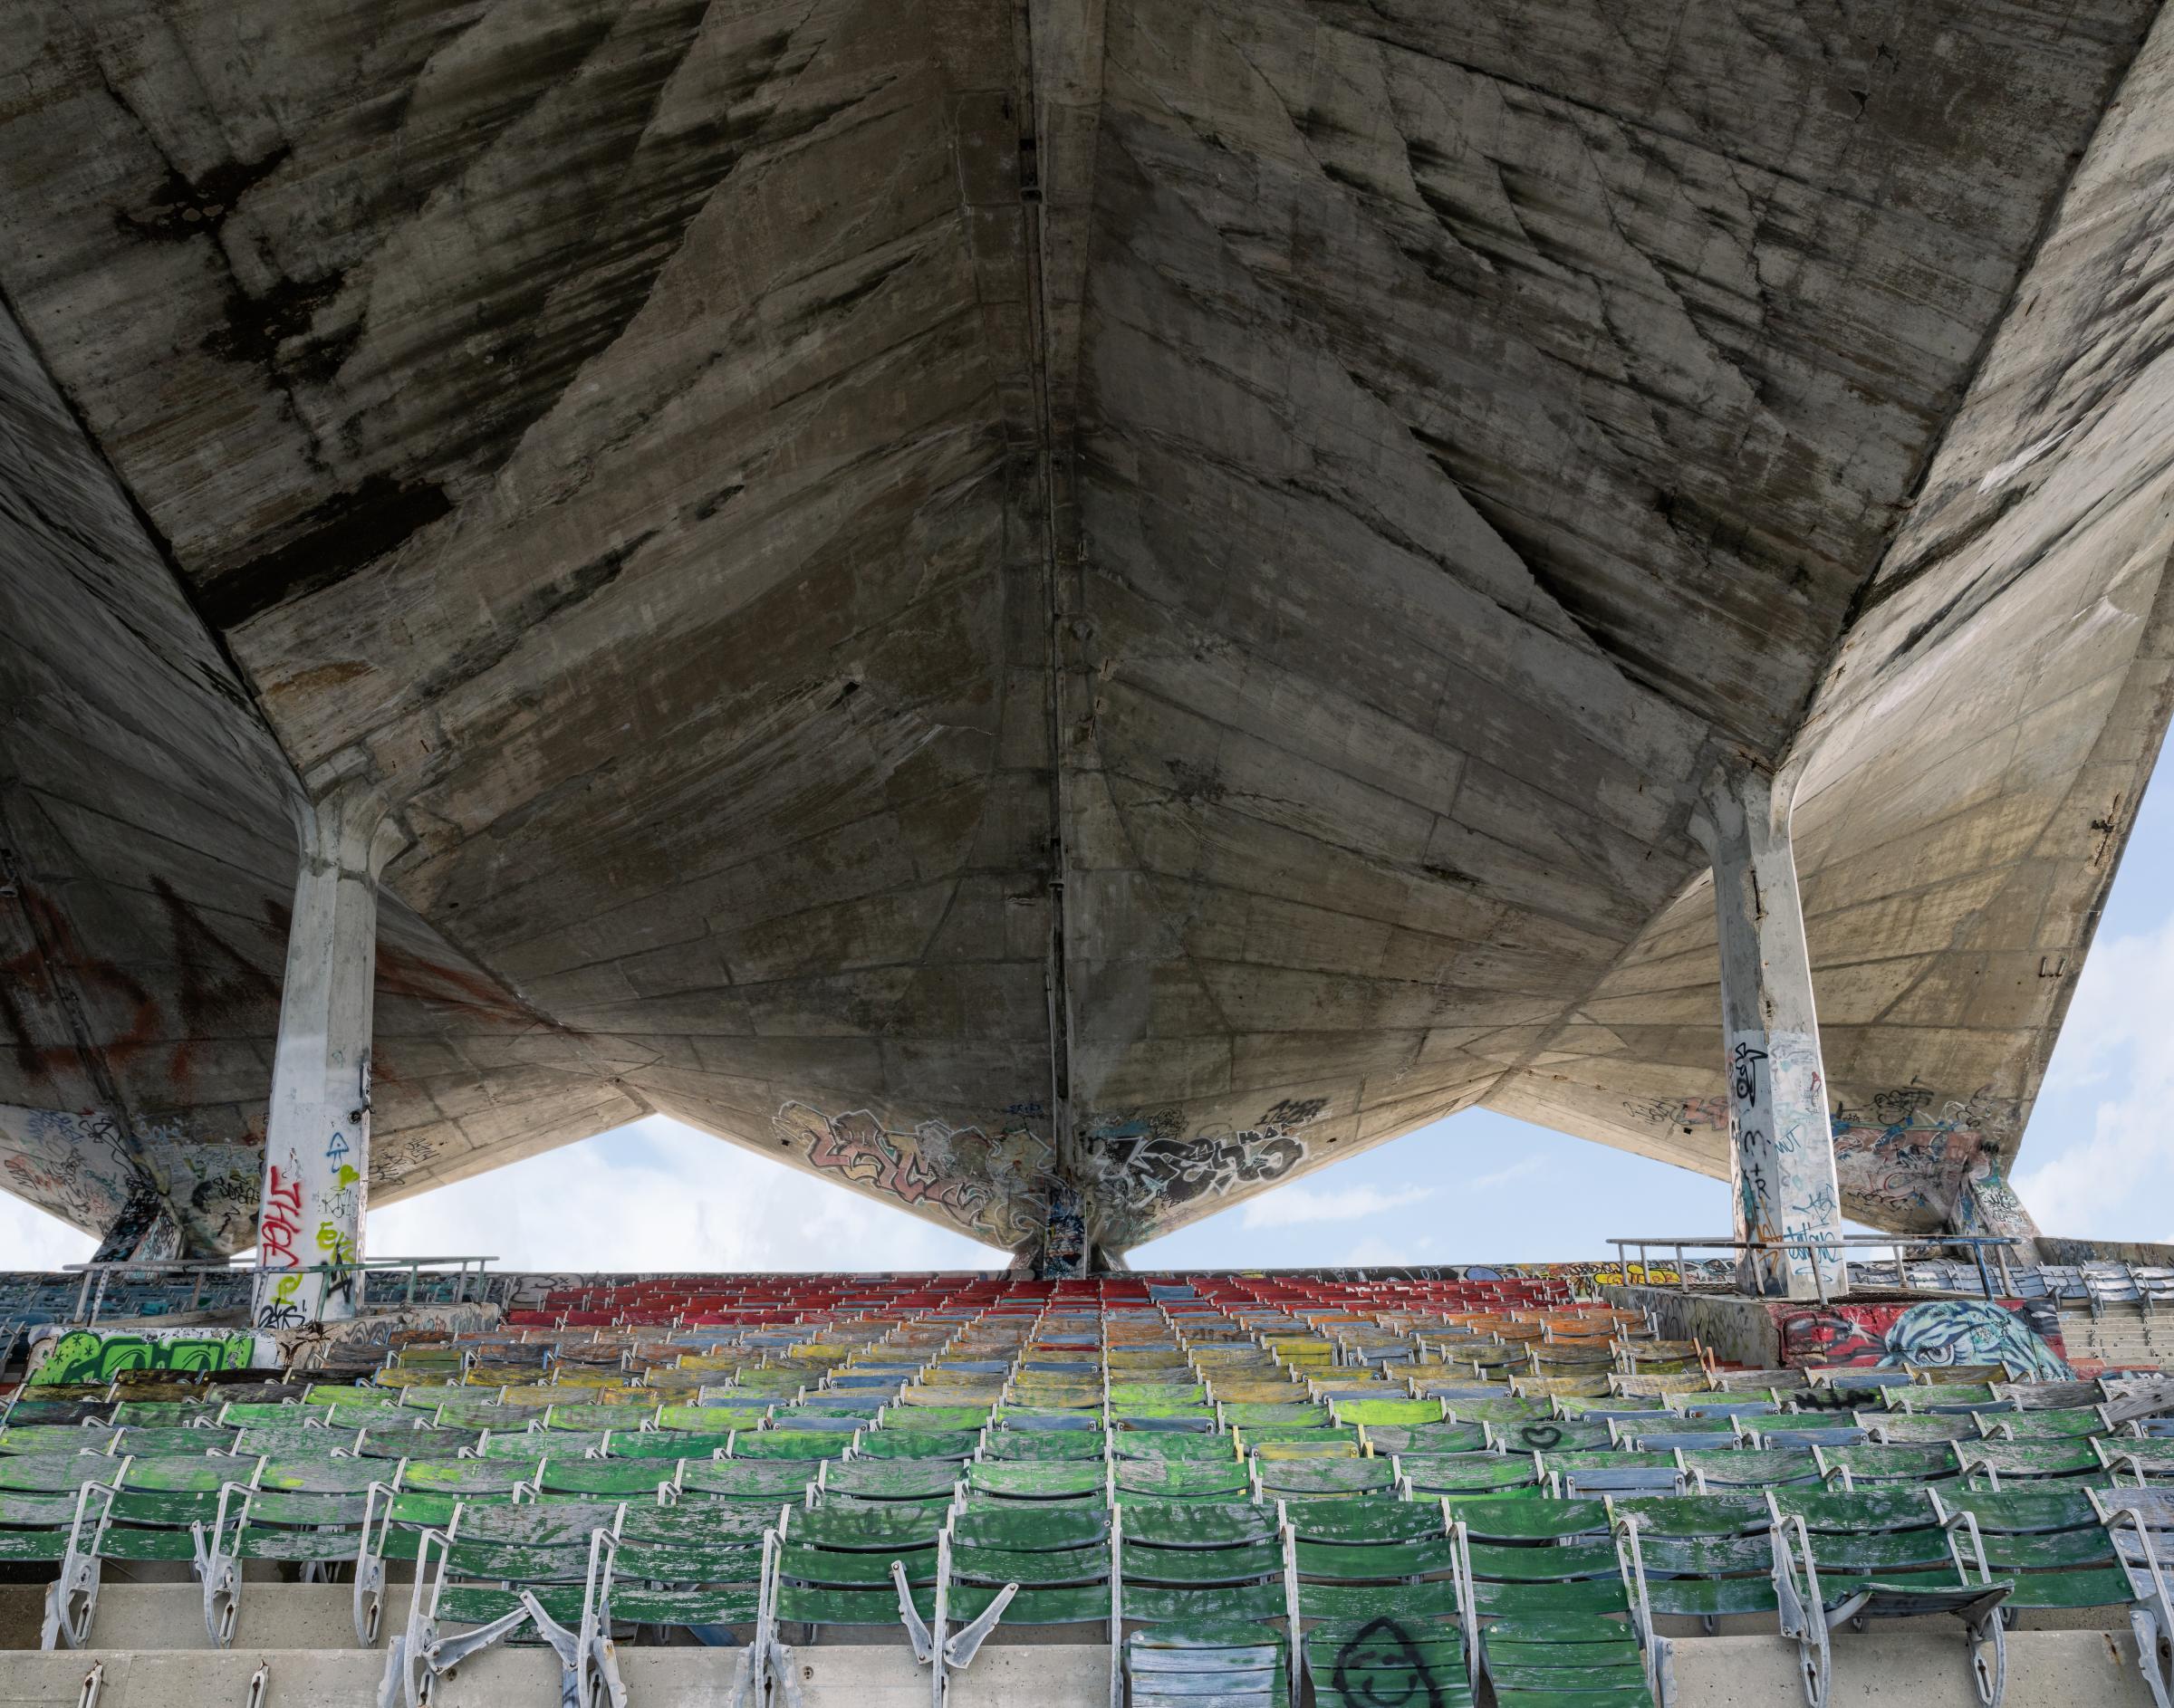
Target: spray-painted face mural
[1939,1332]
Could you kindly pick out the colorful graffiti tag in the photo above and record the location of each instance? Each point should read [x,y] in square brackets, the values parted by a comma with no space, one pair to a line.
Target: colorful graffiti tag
[990,1187]
[1939,1331]
[1904,1153]
[91,1355]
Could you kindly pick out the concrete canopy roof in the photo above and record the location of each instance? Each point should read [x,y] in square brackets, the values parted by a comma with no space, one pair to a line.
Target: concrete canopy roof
[964,592]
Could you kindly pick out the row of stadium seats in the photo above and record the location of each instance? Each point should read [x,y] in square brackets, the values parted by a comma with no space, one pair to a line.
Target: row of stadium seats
[1203,1478]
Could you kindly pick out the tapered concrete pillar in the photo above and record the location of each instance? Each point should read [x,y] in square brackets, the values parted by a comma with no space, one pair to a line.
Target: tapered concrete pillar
[317,1139]
[1783,1141]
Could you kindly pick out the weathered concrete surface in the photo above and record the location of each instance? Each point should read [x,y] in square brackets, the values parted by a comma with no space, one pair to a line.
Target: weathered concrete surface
[1915,1665]
[947,590]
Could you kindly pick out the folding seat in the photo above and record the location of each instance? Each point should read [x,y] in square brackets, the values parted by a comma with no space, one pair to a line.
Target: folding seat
[807,1446]
[1037,1480]
[2003,1463]
[1720,1469]
[689,1568]
[324,1473]
[571,1476]
[1874,1465]
[1317,1479]
[1548,1435]
[1039,1566]
[418,1440]
[1136,1481]
[1011,1416]
[2049,1541]
[317,1532]
[2140,1523]
[152,1510]
[1790,1431]
[760,1482]
[54,1438]
[1946,1397]
[1668,1432]
[164,1414]
[844,1565]
[1201,1585]
[1901,1426]
[2047,1423]
[1377,1596]
[1425,1438]
[1844,1557]
[495,1570]
[2136,1459]
[1305,1414]
[920,1444]
[1392,1413]
[1302,1443]
[650,1444]
[706,1418]
[1705,1558]
[1552,1620]
[1425,1476]
[1570,1474]
[277,1442]
[890,1479]
[934,1418]
[469,1479]
[594,1419]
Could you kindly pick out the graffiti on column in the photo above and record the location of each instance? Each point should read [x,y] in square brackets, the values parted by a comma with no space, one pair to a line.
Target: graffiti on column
[1783,1196]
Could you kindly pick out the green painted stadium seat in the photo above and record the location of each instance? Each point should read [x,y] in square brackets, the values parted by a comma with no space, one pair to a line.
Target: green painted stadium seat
[495,1571]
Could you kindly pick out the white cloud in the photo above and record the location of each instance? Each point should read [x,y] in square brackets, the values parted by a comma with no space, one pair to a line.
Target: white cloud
[1502,1176]
[2117,1036]
[1289,1206]
[681,1200]
[30,1239]
[1375,1253]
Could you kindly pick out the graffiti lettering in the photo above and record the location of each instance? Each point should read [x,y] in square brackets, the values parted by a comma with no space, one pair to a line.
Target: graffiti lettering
[83,1355]
[987,1187]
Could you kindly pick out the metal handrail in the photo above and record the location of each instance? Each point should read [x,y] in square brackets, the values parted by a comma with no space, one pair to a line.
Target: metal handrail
[89,1302]
[1815,1249]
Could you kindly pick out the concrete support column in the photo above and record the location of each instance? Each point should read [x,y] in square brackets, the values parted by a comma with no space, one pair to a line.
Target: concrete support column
[1782,1152]
[317,1139]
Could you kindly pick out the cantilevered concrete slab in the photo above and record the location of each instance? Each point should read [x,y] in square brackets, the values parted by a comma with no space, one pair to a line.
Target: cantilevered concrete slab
[964,593]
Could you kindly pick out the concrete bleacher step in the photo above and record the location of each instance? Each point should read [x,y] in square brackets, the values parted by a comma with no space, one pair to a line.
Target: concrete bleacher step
[1894,1667]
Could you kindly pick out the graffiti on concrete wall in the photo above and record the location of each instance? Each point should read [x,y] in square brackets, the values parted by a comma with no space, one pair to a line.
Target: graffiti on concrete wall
[99,1354]
[70,1164]
[144,1231]
[313,1344]
[989,1187]
[1904,1153]
[1939,1331]
[1692,1114]
[1143,1169]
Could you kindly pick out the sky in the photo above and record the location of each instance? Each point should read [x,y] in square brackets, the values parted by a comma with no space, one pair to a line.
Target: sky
[2097,1162]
